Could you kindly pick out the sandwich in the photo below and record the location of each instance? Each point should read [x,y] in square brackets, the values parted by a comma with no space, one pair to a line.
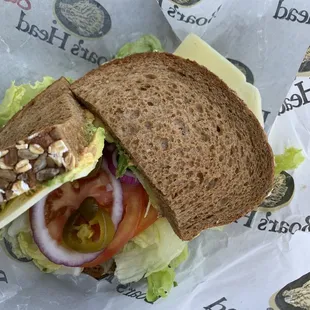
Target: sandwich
[163,149]
[51,141]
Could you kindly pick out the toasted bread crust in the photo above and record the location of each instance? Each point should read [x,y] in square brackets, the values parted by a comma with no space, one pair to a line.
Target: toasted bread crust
[193,140]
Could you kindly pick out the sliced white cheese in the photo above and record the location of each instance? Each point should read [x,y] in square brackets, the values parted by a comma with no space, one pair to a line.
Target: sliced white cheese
[196,49]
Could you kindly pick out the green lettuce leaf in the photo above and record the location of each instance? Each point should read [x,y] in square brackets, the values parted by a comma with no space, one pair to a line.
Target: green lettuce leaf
[160,284]
[15,248]
[70,80]
[22,245]
[153,254]
[122,165]
[148,237]
[176,262]
[289,160]
[30,249]
[147,43]
[19,235]
[149,252]
[10,232]
[16,97]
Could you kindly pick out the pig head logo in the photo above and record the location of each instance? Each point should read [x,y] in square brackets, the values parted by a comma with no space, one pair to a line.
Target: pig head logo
[85,18]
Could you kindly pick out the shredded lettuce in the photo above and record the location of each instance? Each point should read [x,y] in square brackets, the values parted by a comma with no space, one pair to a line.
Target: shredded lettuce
[16,97]
[289,160]
[30,249]
[146,43]
[10,232]
[156,250]
[148,237]
[176,262]
[122,165]
[160,283]
[14,247]
[23,246]
[70,80]
[19,236]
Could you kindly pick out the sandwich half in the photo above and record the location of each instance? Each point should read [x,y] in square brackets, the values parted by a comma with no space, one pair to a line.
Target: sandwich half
[51,141]
[201,154]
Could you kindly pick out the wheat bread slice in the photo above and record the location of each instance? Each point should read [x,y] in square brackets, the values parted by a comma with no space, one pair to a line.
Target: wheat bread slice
[42,140]
[196,146]
[35,116]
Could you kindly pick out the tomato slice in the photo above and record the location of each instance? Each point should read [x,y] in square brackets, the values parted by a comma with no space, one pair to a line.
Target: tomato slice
[135,202]
[147,221]
[64,201]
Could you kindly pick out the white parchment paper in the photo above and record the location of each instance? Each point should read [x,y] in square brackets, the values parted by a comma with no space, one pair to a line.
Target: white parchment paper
[246,265]
[267,38]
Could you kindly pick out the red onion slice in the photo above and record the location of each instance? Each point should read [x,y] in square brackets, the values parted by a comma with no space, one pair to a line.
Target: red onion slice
[49,247]
[118,208]
[128,179]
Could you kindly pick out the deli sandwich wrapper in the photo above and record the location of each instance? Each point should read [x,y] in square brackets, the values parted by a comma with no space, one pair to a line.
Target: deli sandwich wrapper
[261,260]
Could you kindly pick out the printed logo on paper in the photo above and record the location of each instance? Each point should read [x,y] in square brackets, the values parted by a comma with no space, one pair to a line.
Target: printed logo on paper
[56,37]
[293,296]
[244,69]
[281,194]
[305,66]
[186,2]
[85,18]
